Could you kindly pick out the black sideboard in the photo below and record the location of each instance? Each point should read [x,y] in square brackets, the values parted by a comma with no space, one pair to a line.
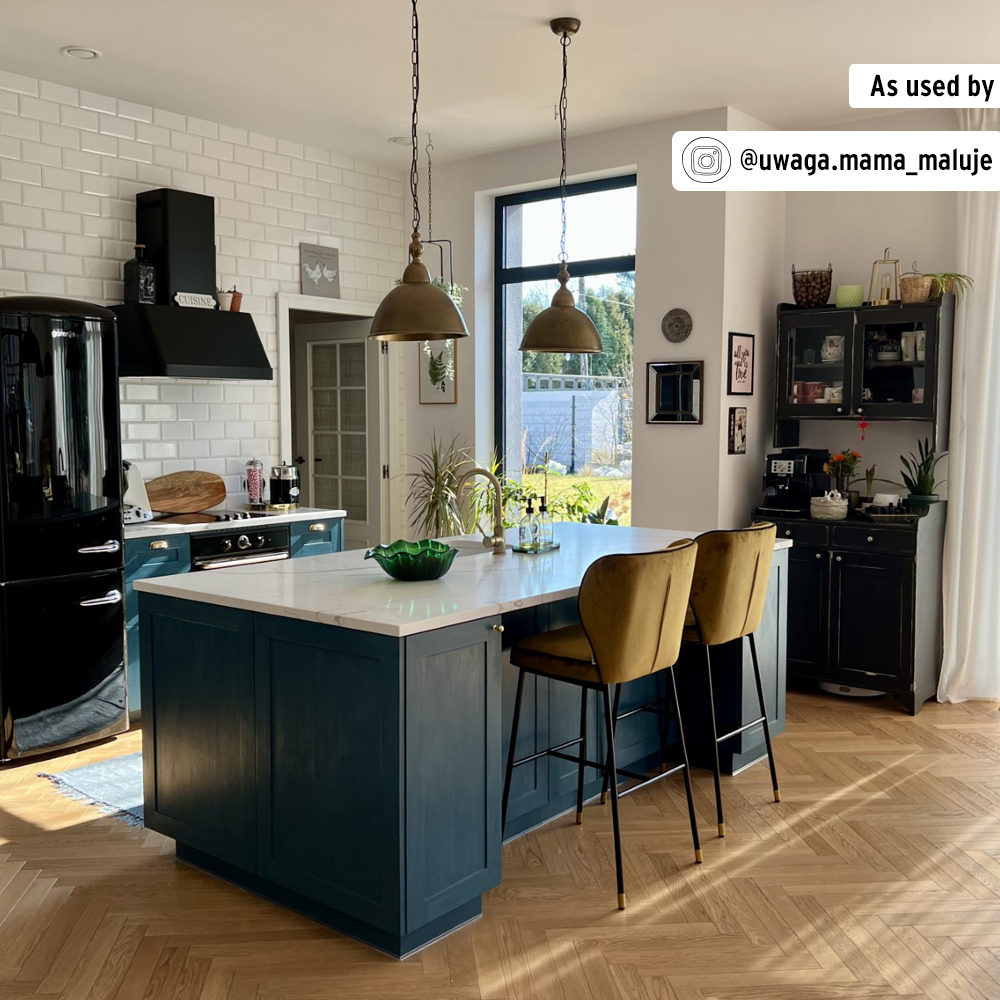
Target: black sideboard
[864,604]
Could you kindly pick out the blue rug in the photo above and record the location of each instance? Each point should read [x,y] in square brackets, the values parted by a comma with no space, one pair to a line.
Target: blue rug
[114,786]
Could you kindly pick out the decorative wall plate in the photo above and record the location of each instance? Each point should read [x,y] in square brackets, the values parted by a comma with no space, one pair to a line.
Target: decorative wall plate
[676,325]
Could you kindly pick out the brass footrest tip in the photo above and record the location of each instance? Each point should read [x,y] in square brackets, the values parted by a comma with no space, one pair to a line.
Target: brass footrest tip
[604,798]
[777,795]
[722,829]
[697,856]
[621,901]
[579,819]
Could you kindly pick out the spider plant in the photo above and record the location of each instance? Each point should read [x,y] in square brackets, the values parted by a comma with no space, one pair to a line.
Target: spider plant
[432,499]
[946,282]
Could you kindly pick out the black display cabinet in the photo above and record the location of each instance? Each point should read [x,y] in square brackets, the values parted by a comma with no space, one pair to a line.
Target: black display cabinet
[882,362]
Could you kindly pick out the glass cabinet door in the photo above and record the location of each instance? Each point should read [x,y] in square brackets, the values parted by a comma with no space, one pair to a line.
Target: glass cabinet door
[817,364]
[896,375]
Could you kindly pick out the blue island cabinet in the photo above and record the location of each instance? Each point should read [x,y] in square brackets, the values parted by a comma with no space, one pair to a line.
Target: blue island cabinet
[352,776]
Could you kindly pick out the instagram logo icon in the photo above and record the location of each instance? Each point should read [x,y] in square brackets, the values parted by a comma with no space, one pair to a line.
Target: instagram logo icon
[705,160]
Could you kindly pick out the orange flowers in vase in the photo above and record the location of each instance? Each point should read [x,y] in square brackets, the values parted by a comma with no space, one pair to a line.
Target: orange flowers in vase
[841,467]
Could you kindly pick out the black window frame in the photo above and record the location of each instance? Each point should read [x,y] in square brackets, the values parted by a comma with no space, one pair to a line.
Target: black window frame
[503,276]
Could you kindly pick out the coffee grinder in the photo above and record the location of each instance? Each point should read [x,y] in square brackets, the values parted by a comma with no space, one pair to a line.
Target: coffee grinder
[791,477]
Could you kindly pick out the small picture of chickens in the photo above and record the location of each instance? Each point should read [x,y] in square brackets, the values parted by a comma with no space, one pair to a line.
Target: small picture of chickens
[320,270]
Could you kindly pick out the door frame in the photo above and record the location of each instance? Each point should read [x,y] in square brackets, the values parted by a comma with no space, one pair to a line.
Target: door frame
[392,440]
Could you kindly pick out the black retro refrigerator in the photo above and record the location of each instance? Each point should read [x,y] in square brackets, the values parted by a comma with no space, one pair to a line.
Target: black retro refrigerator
[62,616]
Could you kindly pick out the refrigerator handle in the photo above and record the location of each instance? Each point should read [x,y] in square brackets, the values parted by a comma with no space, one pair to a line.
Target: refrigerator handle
[111,597]
[111,545]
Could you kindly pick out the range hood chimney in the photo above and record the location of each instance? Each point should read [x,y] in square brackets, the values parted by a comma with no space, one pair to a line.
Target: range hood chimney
[167,339]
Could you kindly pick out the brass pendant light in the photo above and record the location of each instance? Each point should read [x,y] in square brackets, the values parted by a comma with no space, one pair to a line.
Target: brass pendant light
[416,309]
[562,328]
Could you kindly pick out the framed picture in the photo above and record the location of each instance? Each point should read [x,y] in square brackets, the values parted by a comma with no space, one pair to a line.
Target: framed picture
[740,364]
[737,430]
[437,371]
[319,270]
[674,392]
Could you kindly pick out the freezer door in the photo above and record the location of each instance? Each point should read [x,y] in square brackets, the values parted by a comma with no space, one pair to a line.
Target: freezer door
[62,663]
[61,476]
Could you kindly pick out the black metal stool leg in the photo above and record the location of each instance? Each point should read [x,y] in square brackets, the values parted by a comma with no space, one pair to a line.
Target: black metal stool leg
[686,772]
[715,743]
[763,712]
[583,756]
[614,726]
[612,768]
[510,752]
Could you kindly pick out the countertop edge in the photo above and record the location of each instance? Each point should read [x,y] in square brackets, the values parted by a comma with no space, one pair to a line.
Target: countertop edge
[154,529]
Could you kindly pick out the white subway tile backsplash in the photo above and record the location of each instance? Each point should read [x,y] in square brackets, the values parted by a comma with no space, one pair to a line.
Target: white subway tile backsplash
[71,163]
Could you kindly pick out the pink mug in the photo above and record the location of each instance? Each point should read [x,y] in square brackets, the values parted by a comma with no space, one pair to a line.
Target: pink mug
[917,396]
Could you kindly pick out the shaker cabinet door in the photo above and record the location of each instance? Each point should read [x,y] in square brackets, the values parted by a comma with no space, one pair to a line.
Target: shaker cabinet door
[872,615]
[808,610]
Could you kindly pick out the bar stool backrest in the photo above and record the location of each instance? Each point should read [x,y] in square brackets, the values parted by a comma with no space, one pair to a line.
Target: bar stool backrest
[632,608]
[730,581]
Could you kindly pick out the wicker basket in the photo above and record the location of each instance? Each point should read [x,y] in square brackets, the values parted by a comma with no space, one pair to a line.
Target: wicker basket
[811,287]
[915,288]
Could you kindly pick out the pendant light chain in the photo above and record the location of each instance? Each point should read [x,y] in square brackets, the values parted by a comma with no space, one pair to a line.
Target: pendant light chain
[415,88]
[565,41]
[430,190]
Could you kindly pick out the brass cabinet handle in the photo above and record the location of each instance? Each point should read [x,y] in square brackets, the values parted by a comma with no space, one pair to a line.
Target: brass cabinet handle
[497,628]
[318,526]
[159,543]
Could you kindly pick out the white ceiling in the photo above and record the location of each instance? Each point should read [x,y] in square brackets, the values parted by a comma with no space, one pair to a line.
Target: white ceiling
[336,74]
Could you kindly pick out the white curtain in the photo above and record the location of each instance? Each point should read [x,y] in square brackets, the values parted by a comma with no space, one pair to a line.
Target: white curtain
[971,666]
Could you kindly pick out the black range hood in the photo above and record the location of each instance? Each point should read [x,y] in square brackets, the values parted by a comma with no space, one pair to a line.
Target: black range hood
[186,342]
[168,339]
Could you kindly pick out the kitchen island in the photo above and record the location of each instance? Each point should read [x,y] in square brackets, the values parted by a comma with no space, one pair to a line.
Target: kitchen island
[333,739]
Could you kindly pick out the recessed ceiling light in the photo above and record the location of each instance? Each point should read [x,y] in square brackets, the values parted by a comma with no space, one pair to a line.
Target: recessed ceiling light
[401,140]
[80,52]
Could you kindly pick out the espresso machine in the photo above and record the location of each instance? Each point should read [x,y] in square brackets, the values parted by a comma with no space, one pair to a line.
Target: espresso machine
[791,477]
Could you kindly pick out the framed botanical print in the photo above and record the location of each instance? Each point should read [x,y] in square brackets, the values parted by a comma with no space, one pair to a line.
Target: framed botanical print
[741,361]
[437,371]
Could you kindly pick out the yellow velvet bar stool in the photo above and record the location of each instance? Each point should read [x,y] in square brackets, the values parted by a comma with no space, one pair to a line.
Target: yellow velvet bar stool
[632,611]
[727,602]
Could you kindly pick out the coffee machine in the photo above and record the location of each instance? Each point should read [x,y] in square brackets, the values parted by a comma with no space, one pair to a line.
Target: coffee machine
[791,477]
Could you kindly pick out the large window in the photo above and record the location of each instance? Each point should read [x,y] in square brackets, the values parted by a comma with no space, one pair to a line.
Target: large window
[568,413]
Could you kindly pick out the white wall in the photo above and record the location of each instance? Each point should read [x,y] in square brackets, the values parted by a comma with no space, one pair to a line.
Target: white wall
[679,262]
[71,163]
[850,229]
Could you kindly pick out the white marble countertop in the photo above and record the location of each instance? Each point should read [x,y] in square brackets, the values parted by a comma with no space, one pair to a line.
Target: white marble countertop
[151,529]
[343,589]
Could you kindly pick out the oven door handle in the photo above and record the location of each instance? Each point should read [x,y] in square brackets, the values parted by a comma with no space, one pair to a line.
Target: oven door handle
[111,597]
[209,563]
[111,545]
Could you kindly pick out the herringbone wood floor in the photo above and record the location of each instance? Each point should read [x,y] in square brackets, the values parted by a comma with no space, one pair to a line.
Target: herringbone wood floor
[877,876]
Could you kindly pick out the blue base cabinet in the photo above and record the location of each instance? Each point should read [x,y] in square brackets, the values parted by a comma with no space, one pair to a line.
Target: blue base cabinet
[317,538]
[144,558]
[352,776]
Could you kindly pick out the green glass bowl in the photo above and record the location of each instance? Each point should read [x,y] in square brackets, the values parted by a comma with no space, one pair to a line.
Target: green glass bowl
[424,560]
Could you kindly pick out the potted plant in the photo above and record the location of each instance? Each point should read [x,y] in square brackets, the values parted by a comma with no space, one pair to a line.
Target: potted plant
[433,500]
[918,476]
[841,467]
[949,283]
[869,480]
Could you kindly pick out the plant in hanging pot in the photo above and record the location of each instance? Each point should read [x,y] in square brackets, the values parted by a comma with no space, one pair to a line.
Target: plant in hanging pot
[918,476]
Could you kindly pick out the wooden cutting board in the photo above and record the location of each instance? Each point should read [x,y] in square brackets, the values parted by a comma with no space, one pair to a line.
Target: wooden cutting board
[186,492]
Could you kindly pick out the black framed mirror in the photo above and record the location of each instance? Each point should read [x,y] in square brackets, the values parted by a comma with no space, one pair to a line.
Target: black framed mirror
[674,392]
